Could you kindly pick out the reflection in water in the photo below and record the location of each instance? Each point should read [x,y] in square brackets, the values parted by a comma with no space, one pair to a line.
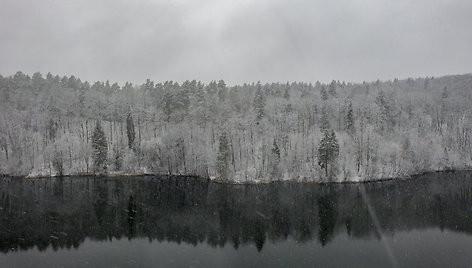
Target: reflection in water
[62,213]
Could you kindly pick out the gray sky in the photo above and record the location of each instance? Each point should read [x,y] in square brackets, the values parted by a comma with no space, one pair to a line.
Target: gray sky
[236,40]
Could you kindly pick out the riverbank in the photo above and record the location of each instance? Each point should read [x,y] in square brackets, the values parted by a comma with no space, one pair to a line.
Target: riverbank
[248,181]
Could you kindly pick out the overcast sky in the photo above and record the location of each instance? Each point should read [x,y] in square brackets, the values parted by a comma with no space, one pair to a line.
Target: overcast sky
[236,40]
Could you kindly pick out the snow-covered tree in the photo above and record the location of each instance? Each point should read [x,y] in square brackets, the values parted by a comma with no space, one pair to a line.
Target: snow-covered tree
[100,147]
[350,120]
[332,88]
[222,161]
[384,129]
[130,131]
[323,93]
[328,150]
[259,102]
[275,161]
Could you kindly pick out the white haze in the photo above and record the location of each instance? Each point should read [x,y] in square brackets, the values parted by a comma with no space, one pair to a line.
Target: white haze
[238,41]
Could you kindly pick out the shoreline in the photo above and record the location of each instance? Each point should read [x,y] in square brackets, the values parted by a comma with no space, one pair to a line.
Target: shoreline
[247,182]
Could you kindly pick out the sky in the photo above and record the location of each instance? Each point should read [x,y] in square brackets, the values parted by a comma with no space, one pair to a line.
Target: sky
[236,40]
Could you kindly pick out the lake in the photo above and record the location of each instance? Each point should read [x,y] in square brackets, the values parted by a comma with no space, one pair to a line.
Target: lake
[184,221]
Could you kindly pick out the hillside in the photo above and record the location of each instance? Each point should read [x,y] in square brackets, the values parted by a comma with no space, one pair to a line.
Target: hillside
[51,125]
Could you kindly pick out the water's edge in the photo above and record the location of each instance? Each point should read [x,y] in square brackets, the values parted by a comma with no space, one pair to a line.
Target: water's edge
[246,182]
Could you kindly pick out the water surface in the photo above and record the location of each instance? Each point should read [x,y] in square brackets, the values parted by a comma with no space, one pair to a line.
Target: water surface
[181,221]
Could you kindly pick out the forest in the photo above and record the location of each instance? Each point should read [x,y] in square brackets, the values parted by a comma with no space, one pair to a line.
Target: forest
[254,132]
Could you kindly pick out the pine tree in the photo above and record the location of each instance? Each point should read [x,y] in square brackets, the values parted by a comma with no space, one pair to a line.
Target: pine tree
[350,120]
[287,92]
[100,148]
[324,121]
[223,156]
[387,121]
[328,150]
[332,88]
[275,159]
[167,101]
[58,163]
[324,93]
[222,90]
[52,129]
[130,131]
[118,154]
[259,102]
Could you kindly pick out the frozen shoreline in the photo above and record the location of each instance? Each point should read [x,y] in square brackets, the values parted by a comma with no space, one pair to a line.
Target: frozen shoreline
[250,181]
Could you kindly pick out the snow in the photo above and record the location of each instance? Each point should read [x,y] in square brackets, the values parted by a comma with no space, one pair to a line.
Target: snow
[397,129]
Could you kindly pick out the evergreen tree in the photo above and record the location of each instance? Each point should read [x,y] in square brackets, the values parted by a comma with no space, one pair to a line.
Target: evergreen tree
[350,120]
[130,131]
[287,91]
[38,81]
[167,101]
[212,88]
[58,163]
[387,121]
[328,150]
[198,95]
[222,90]
[199,104]
[324,121]
[324,93]
[332,88]
[118,154]
[275,159]
[259,102]
[100,148]
[223,157]
[52,129]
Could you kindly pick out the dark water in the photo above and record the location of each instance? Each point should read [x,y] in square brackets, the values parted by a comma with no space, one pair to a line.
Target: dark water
[165,222]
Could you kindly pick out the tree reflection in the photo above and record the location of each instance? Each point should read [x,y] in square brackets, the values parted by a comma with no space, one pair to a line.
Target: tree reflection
[62,213]
[327,213]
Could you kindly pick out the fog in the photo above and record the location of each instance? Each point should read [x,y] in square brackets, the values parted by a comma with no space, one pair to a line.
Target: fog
[238,41]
